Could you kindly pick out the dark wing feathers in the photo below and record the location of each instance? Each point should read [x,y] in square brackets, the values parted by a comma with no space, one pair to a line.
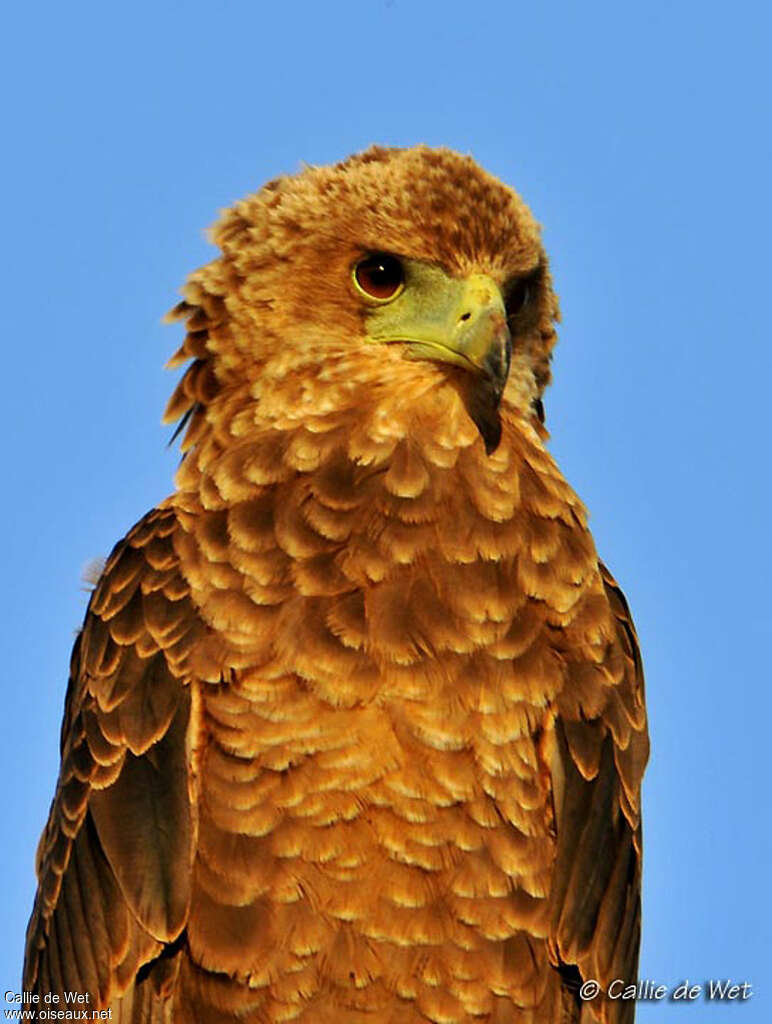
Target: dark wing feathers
[597,776]
[115,858]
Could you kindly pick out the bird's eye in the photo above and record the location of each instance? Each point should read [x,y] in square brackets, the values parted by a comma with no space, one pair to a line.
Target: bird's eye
[517,296]
[379,276]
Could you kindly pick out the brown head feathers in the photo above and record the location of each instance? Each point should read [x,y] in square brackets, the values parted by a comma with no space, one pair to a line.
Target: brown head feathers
[278,297]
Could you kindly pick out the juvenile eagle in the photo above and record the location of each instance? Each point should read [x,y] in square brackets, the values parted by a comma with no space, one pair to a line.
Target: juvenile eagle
[355,725]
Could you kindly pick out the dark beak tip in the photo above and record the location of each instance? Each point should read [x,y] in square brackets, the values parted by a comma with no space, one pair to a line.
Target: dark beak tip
[498,360]
[492,437]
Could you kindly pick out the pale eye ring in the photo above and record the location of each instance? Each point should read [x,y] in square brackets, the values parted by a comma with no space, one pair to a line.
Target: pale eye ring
[380,277]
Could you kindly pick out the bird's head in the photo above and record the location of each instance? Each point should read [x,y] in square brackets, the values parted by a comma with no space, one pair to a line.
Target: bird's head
[389,259]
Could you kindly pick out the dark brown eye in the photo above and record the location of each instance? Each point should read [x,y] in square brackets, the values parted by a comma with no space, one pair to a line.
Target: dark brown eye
[379,276]
[517,296]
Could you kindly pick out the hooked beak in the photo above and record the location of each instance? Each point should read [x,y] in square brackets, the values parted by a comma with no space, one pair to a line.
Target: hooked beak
[474,335]
[458,321]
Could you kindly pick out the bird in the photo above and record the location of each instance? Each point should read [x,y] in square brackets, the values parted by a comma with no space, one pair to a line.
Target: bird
[355,726]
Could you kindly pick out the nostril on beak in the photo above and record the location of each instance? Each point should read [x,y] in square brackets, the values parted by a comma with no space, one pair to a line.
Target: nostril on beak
[464,316]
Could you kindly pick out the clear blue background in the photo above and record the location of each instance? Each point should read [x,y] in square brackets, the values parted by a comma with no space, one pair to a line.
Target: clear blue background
[639,134]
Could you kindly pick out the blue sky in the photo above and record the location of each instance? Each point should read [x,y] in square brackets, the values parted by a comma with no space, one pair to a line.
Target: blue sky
[640,137]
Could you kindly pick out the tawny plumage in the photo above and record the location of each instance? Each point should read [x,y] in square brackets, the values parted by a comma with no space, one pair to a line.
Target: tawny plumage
[355,726]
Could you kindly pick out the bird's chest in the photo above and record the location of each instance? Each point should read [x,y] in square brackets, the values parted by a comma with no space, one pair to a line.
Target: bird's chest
[383,667]
[387,760]
[372,771]
[402,711]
